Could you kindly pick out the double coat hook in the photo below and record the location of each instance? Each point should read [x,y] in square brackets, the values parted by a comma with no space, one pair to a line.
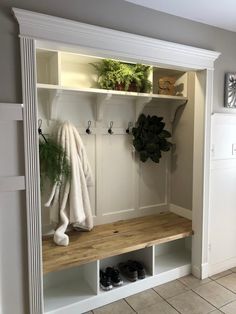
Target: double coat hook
[110,128]
[128,128]
[88,131]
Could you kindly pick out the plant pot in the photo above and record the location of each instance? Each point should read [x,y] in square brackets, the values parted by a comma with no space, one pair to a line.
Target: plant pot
[133,87]
[120,86]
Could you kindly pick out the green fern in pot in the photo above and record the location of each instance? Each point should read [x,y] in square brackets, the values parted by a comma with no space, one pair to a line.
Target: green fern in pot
[116,75]
[54,163]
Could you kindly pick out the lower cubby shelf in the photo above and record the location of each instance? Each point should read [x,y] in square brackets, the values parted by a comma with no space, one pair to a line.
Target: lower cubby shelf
[172,255]
[70,287]
[76,290]
[71,274]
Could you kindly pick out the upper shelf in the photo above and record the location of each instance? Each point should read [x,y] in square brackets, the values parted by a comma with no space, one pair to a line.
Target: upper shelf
[62,72]
[102,96]
[114,239]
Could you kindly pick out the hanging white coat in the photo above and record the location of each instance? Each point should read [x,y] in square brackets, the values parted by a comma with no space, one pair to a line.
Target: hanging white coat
[69,200]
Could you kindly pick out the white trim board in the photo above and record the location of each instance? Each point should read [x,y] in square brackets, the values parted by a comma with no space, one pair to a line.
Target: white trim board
[12,112]
[181,211]
[8,184]
[126,45]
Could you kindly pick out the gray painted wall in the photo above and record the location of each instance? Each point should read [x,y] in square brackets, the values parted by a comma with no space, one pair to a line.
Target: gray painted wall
[114,14]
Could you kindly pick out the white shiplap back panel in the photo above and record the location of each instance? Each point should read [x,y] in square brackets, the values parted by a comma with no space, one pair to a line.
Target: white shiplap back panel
[222,196]
[117,167]
[223,136]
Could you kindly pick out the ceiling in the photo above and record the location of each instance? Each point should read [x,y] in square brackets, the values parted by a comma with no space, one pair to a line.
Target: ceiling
[221,14]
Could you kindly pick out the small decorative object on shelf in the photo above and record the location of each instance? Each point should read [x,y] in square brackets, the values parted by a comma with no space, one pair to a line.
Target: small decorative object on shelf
[230,90]
[150,138]
[116,75]
[167,86]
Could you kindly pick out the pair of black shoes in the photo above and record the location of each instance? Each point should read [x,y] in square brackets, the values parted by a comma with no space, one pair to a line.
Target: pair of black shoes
[132,270]
[110,278]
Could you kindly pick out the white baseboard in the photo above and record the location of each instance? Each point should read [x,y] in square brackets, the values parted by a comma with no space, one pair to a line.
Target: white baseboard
[181,211]
[222,266]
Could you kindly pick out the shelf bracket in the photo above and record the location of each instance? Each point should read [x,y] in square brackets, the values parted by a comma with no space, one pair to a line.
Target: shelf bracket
[140,103]
[52,103]
[101,101]
[175,110]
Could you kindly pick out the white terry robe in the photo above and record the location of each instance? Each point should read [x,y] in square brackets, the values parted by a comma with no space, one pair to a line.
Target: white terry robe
[69,200]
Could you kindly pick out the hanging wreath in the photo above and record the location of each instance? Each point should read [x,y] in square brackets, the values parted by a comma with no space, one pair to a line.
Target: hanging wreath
[150,138]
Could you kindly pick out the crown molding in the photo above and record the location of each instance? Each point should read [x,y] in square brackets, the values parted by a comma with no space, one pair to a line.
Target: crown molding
[120,44]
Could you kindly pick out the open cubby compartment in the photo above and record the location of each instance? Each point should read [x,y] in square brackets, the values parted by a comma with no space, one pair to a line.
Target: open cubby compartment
[67,287]
[47,67]
[180,78]
[77,70]
[173,256]
[145,256]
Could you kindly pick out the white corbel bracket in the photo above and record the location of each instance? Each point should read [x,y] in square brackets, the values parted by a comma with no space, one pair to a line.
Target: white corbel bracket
[140,103]
[174,110]
[53,98]
[101,102]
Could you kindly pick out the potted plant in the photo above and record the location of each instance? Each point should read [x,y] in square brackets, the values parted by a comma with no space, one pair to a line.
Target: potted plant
[150,138]
[54,163]
[118,75]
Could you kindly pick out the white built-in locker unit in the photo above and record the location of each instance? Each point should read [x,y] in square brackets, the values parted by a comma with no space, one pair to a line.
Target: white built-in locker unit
[60,84]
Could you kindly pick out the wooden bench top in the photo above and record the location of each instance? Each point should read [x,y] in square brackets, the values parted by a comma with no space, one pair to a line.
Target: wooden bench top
[113,239]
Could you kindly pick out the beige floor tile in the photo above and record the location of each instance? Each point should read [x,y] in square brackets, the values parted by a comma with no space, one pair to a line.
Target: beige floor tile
[229,308]
[222,274]
[216,312]
[159,308]
[88,312]
[190,303]
[215,294]
[143,299]
[171,289]
[193,282]
[233,270]
[228,282]
[118,307]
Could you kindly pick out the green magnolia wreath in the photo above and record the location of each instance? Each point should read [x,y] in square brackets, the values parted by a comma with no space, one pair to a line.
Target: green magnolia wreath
[150,138]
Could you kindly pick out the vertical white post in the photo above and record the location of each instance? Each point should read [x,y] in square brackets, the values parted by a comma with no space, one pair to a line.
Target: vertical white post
[201,172]
[206,178]
[28,66]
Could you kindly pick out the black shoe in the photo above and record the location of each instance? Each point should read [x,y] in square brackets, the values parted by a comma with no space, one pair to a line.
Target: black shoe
[114,275]
[139,267]
[105,281]
[128,271]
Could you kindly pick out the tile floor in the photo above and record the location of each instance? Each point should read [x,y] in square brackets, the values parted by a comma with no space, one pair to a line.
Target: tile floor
[186,295]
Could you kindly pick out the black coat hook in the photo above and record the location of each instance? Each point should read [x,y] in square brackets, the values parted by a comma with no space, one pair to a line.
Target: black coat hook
[128,128]
[110,128]
[88,131]
[40,130]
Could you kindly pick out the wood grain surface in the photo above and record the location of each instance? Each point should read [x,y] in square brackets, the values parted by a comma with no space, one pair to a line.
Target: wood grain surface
[113,239]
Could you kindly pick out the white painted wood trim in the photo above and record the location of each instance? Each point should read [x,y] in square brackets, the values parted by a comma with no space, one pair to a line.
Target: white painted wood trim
[13,112]
[222,266]
[206,171]
[123,45]
[8,184]
[181,211]
[33,208]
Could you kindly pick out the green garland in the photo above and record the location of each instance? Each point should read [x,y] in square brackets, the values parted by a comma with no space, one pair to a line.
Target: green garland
[54,163]
[150,138]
